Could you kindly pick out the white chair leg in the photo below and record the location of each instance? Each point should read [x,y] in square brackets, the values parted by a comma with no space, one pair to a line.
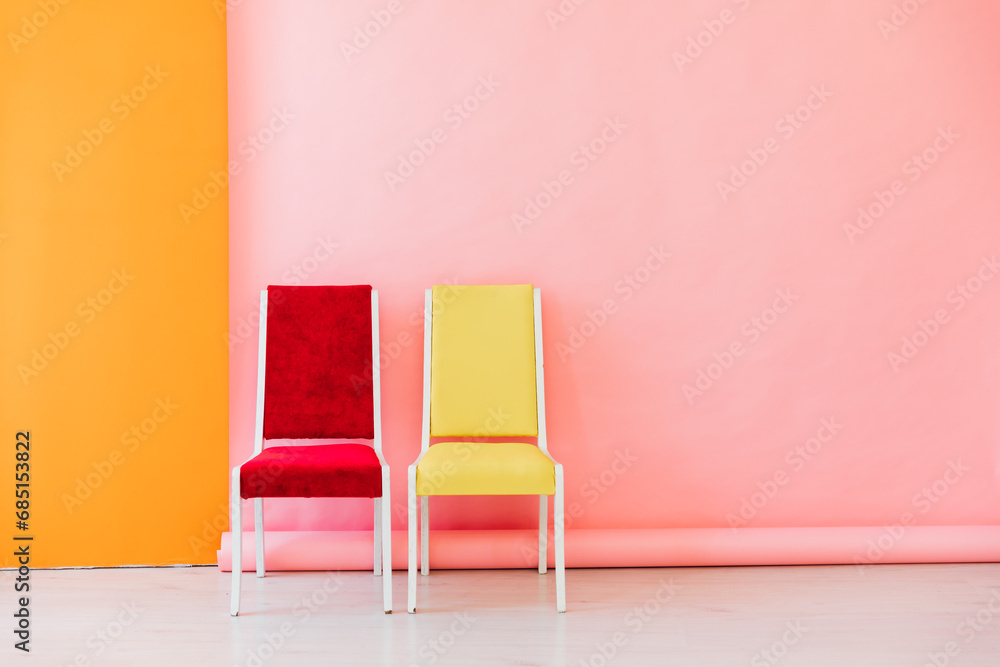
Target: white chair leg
[425,529]
[258,530]
[557,520]
[411,542]
[236,520]
[386,542]
[543,533]
[378,537]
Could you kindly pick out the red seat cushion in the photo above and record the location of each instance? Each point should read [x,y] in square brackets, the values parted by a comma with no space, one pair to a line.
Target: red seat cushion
[350,470]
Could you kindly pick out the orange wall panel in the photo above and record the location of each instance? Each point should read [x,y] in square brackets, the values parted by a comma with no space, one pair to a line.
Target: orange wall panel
[112,352]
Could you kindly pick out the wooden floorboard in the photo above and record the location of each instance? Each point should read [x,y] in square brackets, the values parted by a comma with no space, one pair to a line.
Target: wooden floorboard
[899,615]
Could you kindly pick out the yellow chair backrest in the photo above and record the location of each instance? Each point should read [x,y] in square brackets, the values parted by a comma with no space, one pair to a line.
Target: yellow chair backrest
[483,361]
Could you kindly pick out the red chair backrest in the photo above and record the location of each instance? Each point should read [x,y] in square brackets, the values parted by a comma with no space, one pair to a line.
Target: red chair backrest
[318,374]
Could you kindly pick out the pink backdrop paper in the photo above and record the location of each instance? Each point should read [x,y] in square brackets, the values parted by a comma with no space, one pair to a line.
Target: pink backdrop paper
[511,549]
[730,343]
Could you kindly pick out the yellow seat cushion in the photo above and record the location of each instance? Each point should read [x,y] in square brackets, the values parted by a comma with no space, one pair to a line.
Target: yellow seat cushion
[485,469]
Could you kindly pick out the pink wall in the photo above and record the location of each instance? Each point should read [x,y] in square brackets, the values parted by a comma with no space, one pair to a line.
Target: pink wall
[767,266]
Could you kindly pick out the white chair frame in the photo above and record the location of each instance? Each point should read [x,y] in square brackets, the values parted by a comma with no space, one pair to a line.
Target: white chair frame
[543,500]
[383,506]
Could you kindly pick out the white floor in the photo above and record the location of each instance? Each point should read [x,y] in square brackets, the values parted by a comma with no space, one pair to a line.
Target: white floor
[760,616]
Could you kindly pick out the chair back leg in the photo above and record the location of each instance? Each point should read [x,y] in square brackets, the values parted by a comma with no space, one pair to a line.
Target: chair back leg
[378,537]
[258,531]
[543,533]
[425,529]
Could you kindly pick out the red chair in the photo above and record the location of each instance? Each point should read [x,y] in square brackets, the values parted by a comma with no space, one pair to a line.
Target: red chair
[315,345]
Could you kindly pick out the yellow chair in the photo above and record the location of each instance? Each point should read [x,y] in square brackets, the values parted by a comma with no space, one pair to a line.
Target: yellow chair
[483,379]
